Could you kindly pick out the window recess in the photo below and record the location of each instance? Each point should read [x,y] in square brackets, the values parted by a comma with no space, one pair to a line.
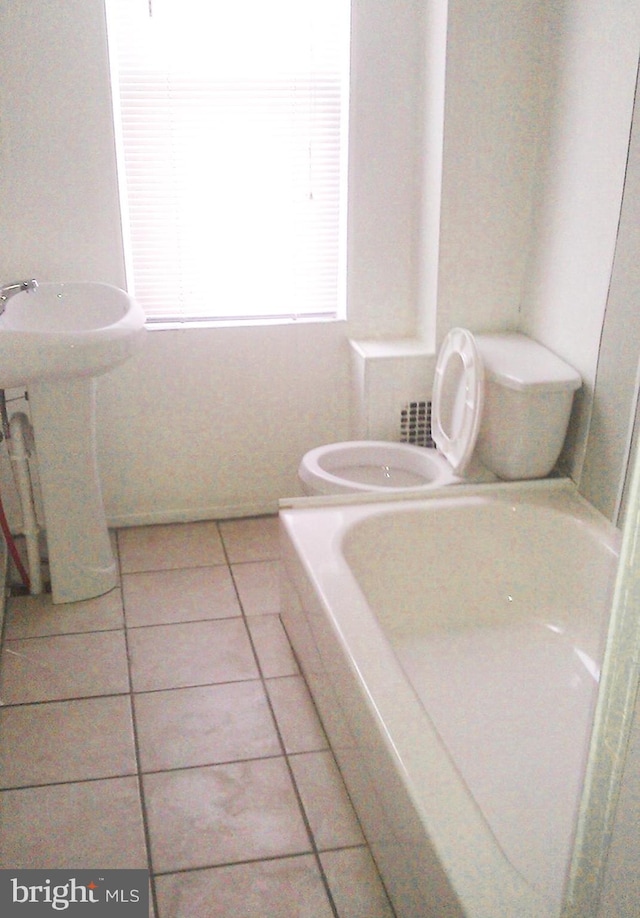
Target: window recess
[231,124]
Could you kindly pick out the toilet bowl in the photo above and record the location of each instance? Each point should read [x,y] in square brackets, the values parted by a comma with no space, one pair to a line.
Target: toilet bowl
[373,465]
[500,409]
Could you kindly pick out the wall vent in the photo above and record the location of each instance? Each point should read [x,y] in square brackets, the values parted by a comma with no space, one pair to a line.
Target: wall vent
[415,424]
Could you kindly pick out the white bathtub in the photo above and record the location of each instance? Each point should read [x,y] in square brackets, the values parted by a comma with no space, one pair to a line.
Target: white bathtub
[452,645]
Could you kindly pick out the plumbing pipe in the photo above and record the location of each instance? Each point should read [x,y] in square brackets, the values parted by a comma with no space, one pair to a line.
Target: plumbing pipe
[11,545]
[4,525]
[6,433]
[18,445]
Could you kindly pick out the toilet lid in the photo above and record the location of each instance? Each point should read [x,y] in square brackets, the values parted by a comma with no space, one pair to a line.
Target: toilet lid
[458,395]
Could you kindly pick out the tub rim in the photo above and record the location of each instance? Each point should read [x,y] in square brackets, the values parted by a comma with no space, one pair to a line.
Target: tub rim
[478,845]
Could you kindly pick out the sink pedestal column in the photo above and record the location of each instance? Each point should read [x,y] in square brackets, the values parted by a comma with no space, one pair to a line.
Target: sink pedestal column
[81,561]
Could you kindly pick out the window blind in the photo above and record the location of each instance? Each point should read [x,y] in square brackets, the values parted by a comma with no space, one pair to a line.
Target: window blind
[231,120]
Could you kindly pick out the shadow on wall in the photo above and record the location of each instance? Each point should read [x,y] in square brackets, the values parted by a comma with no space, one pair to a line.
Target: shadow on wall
[604,479]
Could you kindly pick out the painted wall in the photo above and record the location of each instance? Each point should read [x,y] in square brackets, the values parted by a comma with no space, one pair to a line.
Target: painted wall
[496,101]
[612,411]
[213,422]
[615,394]
[535,147]
[538,108]
[386,115]
[208,421]
[580,179]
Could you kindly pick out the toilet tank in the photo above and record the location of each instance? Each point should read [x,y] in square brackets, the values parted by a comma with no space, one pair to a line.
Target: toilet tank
[527,403]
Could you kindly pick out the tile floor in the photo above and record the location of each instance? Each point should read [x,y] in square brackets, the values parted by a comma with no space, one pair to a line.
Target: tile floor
[166,725]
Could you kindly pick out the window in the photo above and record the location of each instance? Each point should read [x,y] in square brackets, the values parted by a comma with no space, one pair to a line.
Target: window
[231,123]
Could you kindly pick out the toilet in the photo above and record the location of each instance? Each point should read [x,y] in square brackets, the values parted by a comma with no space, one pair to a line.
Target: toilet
[500,410]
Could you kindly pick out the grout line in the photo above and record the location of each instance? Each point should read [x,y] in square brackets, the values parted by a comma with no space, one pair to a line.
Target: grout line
[316,850]
[130,693]
[222,764]
[301,807]
[21,787]
[58,634]
[136,747]
[329,749]
[181,688]
[187,621]
[254,860]
[74,698]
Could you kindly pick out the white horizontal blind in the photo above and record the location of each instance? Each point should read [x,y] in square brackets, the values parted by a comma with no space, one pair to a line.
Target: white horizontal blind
[232,135]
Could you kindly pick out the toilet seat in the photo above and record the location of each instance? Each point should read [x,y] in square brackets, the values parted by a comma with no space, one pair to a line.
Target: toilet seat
[458,398]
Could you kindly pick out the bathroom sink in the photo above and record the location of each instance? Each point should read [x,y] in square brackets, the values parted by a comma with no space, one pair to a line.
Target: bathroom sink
[54,340]
[62,331]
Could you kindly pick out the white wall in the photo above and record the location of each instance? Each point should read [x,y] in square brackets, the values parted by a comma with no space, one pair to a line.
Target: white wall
[496,69]
[538,109]
[434,35]
[213,423]
[202,421]
[615,394]
[184,426]
[580,179]
[387,58]
[58,192]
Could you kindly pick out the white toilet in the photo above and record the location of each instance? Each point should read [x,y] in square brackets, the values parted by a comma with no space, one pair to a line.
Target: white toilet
[500,410]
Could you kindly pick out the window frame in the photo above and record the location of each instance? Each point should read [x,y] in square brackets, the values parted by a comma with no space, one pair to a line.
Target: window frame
[197,319]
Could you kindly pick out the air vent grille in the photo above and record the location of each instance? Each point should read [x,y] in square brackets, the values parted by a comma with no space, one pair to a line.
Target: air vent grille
[415,424]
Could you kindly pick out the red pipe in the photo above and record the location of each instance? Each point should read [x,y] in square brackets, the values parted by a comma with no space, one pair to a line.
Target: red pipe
[11,545]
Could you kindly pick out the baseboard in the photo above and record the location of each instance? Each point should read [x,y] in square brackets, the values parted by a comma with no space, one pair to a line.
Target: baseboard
[193,514]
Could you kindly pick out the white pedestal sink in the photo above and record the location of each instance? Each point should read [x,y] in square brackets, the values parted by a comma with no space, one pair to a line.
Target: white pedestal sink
[54,341]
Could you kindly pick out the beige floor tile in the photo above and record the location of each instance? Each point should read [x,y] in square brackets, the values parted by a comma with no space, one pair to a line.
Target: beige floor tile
[36,616]
[253,539]
[355,884]
[296,715]
[272,646]
[66,741]
[92,824]
[164,597]
[193,653]
[161,547]
[331,816]
[221,792]
[258,584]
[203,817]
[204,726]
[286,888]
[64,666]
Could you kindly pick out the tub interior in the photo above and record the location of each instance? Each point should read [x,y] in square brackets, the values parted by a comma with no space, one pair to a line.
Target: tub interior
[496,612]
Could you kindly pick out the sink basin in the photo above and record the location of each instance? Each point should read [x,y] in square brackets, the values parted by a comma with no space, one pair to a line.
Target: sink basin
[62,331]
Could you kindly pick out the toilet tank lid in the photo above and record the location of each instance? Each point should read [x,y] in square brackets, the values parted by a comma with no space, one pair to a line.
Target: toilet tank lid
[518,362]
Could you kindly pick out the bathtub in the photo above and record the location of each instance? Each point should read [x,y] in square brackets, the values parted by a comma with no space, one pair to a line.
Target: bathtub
[452,644]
